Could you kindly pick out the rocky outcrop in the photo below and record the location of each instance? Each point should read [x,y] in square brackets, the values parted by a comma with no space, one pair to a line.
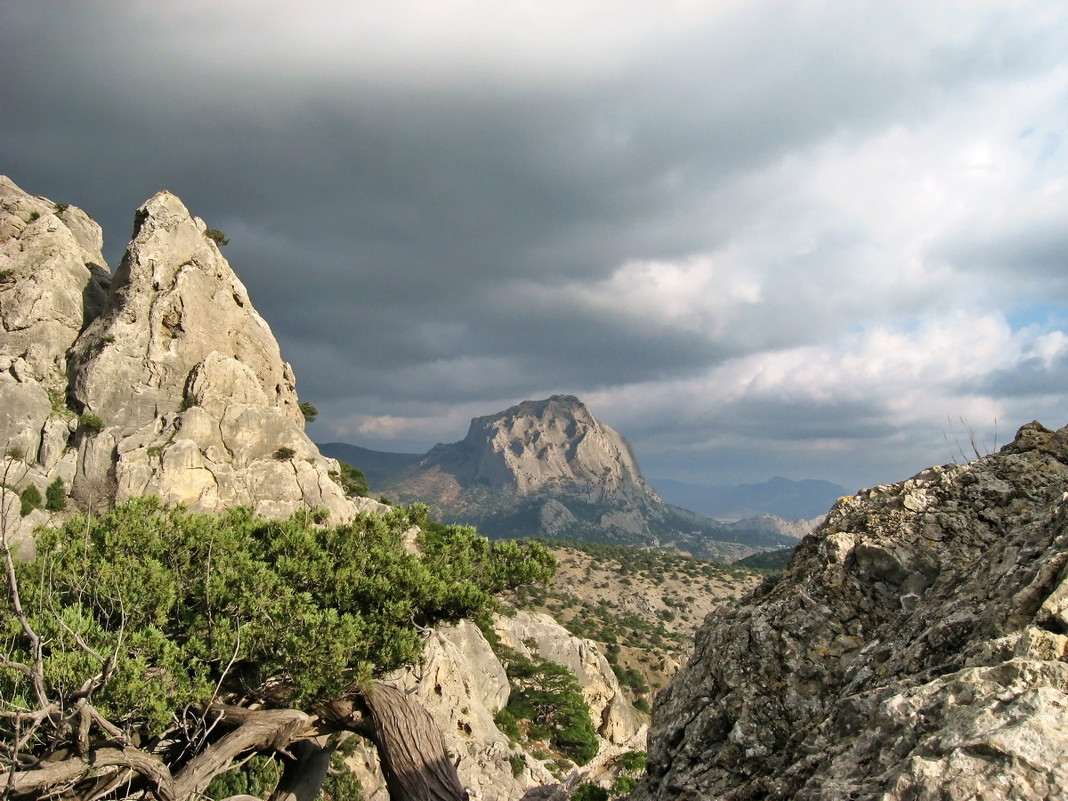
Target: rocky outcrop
[463,685]
[534,634]
[549,468]
[160,380]
[914,648]
[52,281]
[540,443]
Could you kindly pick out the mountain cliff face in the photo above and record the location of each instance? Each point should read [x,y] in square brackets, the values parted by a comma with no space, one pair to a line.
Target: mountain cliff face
[550,468]
[540,444]
[161,379]
[915,648]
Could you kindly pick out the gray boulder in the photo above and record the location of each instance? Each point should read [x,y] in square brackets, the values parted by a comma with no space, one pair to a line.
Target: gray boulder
[914,648]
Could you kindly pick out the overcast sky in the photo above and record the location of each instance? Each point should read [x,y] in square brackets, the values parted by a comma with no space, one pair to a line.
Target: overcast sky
[808,239]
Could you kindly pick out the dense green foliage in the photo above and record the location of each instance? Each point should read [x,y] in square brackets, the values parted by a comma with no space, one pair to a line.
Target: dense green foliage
[589,792]
[632,760]
[182,606]
[547,699]
[256,777]
[309,411]
[351,480]
[90,423]
[217,236]
[56,496]
[30,499]
[623,785]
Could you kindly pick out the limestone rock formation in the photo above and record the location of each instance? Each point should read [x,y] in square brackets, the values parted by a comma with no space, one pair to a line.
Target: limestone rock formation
[52,281]
[550,468]
[160,380]
[914,648]
[463,685]
[538,443]
[532,633]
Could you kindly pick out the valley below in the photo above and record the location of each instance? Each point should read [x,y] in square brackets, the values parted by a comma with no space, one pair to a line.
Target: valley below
[641,607]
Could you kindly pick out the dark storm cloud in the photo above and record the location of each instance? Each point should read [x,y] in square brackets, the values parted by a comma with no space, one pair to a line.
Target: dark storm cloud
[1030,378]
[435,208]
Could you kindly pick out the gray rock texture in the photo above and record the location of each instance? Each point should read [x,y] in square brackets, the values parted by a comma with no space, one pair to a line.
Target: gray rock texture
[52,281]
[914,648]
[160,380]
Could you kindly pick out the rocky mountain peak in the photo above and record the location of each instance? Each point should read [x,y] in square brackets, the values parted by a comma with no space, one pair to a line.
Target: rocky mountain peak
[174,300]
[550,442]
[162,379]
[549,468]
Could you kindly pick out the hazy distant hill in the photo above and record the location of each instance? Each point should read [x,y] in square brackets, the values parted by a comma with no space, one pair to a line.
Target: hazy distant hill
[377,466]
[549,468]
[790,500]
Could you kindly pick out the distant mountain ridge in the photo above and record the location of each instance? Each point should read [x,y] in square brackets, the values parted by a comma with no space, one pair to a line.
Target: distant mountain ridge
[790,500]
[549,468]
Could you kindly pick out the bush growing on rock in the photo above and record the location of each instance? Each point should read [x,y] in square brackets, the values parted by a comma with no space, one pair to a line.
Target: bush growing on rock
[56,496]
[351,480]
[90,423]
[217,236]
[149,628]
[30,498]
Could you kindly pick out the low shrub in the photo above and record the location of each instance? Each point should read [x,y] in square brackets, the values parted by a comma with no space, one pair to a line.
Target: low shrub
[56,496]
[623,785]
[217,236]
[30,498]
[90,423]
[632,760]
[589,792]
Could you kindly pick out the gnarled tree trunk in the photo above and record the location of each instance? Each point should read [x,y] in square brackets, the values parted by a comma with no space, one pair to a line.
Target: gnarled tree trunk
[411,748]
[304,773]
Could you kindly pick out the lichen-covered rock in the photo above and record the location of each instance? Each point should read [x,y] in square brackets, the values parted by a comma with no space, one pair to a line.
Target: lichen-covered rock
[914,648]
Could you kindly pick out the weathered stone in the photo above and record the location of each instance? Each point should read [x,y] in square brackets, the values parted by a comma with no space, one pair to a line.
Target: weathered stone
[173,301]
[531,633]
[52,280]
[463,685]
[914,648]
